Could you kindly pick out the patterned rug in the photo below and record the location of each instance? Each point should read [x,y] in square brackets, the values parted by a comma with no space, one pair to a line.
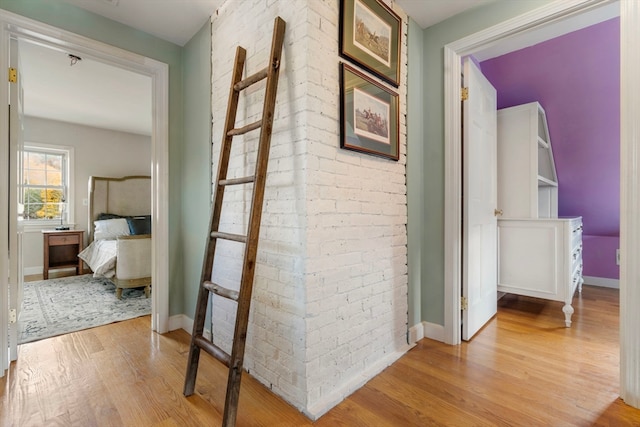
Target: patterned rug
[59,306]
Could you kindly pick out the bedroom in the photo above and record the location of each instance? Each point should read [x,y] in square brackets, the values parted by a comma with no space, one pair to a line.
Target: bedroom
[108,138]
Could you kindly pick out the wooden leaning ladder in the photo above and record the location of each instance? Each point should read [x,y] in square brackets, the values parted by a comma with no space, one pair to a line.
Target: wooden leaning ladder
[243,296]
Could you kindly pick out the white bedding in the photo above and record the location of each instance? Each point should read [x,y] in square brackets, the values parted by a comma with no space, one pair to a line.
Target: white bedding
[100,256]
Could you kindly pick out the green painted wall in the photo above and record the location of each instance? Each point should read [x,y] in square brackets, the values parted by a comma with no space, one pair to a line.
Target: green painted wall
[430,186]
[196,162]
[76,20]
[415,174]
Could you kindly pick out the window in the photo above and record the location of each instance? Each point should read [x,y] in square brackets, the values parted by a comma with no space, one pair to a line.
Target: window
[45,190]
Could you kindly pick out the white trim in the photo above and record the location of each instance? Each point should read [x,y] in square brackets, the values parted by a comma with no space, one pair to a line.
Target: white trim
[433,331]
[603,282]
[13,24]
[4,209]
[29,271]
[629,172]
[424,329]
[453,53]
[181,321]
[629,203]
[416,333]
[160,197]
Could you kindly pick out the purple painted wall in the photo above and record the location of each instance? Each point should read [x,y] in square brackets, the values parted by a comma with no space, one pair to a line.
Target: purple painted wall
[576,79]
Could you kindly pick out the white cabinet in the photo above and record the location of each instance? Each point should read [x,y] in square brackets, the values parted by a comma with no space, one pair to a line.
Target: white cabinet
[541,258]
[540,255]
[527,180]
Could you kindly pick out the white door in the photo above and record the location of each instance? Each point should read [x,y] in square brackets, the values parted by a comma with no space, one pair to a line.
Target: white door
[479,181]
[16,276]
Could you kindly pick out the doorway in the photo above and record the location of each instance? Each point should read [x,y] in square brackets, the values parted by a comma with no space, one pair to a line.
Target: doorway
[13,26]
[630,180]
[77,123]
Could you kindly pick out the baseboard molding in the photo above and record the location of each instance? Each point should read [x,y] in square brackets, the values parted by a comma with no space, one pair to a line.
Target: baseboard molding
[433,331]
[416,333]
[603,282]
[426,330]
[325,404]
[29,271]
[181,321]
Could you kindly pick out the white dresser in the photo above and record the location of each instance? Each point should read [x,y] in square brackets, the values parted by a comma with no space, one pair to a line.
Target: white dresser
[541,258]
[540,255]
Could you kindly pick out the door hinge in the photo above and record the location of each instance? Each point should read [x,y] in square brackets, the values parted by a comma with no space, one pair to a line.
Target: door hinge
[13,75]
[464,303]
[13,316]
[464,93]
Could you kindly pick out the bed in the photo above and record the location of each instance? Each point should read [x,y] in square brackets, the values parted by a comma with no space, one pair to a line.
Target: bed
[119,231]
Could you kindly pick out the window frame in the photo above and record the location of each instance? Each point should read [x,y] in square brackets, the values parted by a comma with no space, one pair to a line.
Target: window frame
[68,171]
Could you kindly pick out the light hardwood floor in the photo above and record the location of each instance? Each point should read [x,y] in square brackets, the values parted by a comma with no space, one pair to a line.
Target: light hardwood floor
[523,369]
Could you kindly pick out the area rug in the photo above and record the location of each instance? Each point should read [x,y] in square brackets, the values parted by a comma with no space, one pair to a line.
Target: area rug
[59,306]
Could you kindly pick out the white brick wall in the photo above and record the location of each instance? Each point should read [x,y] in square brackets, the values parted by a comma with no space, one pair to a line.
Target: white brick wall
[330,294]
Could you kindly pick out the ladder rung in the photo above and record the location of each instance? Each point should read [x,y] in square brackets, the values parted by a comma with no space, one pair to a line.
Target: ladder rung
[245,129]
[234,181]
[254,78]
[229,236]
[221,291]
[212,349]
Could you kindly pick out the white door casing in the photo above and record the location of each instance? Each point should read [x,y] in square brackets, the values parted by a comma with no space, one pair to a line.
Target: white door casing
[16,140]
[13,25]
[480,188]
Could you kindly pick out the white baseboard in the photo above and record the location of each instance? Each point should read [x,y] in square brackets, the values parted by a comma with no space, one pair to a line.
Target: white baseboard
[28,271]
[426,330]
[180,321]
[433,331]
[416,333]
[603,282]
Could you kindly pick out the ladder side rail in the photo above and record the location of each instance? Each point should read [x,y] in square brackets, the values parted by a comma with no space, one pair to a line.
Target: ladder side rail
[207,265]
[248,268]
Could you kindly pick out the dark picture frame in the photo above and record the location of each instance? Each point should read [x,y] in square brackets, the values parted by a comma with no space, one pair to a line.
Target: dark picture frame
[369,115]
[370,36]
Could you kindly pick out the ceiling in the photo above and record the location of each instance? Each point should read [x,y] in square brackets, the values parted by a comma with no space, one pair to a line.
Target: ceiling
[96,94]
[429,12]
[172,20]
[88,93]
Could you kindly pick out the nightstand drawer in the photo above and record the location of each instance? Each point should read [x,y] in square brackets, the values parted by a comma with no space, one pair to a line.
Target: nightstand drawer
[64,240]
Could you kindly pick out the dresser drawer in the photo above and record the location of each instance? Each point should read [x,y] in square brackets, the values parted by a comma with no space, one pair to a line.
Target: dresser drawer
[576,255]
[576,279]
[576,233]
[64,240]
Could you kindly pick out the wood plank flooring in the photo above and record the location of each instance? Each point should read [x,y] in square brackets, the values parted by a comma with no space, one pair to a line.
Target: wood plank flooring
[523,369]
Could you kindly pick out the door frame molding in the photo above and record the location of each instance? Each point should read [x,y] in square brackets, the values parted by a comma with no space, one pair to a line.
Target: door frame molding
[13,25]
[629,172]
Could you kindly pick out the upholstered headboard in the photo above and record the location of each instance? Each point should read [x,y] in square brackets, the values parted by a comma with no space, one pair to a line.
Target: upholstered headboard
[126,196]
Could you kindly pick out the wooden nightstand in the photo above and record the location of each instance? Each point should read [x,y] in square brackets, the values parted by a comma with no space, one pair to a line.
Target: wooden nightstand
[61,249]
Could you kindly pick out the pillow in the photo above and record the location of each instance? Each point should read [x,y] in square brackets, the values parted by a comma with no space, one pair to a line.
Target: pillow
[110,228]
[139,224]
